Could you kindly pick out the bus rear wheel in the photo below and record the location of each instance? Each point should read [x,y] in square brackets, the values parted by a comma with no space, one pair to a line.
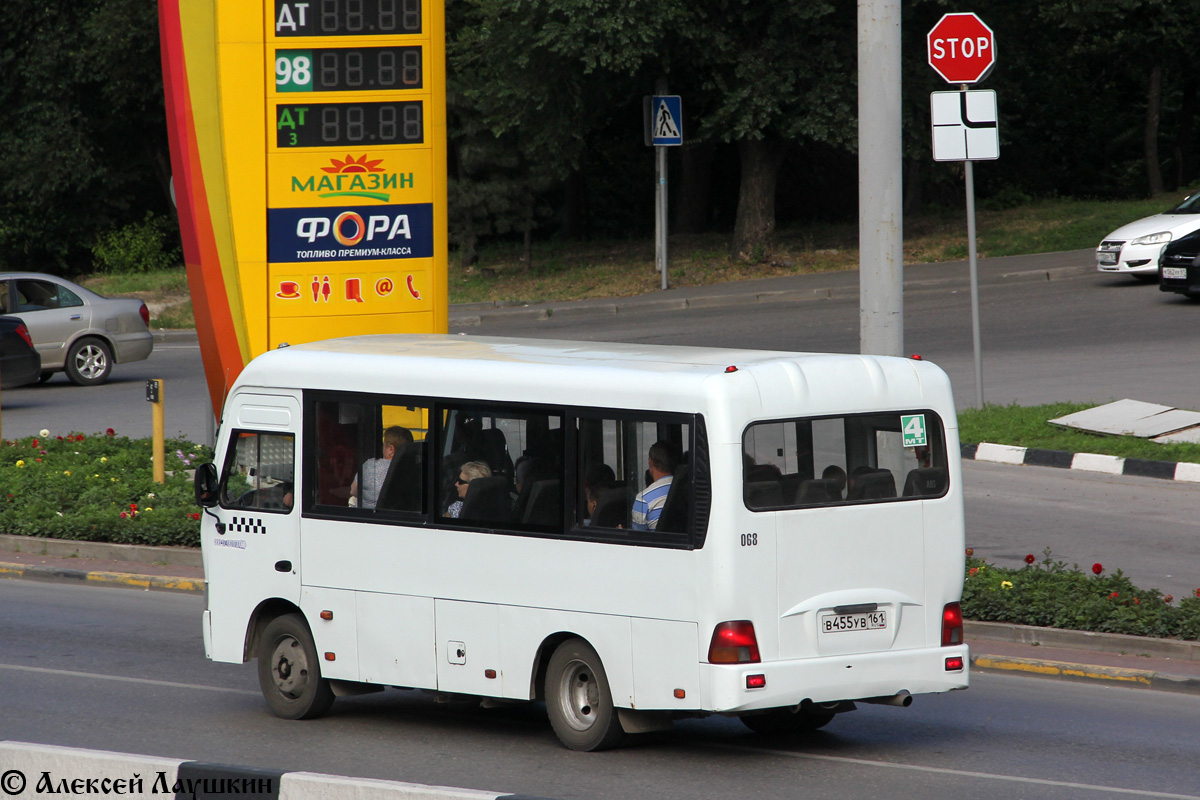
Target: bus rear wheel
[784,721]
[578,699]
[289,672]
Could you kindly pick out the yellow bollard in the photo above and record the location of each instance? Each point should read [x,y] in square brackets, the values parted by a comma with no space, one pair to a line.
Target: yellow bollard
[156,395]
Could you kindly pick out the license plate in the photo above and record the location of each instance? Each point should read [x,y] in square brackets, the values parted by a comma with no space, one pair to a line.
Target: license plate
[1107,258]
[839,623]
[1175,272]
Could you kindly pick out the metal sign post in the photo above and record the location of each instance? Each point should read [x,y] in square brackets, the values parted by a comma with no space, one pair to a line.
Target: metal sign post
[966,129]
[962,49]
[663,120]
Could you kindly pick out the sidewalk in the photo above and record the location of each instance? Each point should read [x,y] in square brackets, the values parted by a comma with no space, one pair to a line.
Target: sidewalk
[789,288]
[1132,661]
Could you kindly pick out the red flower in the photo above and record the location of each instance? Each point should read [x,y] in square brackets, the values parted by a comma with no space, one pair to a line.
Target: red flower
[110,432]
[35,444]
[124,515]
[1169,598]
[133,506]
[1114,595]
[60,438]
[974,571]
[79,437]
[970,551]
[1197,593]
[1097,568]
[1137,602]
[1029,559]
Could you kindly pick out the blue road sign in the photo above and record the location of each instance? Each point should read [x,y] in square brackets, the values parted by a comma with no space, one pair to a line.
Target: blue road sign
[666,120]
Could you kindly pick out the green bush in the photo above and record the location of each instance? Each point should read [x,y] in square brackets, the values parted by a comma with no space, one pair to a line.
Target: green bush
[146,246]
[99,488]
[1051,595]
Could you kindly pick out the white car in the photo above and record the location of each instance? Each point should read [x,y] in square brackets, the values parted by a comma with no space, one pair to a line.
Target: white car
[1133,249]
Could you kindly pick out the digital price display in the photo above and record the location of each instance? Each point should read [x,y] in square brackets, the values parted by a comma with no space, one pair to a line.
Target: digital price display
[349,124]
[308,152]
[347,18]
[348,69]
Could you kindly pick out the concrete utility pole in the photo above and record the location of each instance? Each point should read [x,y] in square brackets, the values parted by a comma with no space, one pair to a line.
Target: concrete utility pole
[880,185]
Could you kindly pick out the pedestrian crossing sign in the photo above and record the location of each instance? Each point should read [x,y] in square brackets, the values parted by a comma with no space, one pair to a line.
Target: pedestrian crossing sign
[666,120]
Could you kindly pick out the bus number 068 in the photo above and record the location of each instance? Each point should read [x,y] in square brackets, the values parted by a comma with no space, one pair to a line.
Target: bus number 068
[749,539]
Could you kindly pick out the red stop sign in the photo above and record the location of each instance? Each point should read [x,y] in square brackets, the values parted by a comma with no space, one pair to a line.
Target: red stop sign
[961,48]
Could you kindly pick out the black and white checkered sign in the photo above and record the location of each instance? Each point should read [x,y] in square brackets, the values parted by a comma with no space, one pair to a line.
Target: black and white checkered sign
[246,525]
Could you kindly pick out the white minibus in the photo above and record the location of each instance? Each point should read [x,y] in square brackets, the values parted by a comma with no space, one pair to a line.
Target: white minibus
[631,533]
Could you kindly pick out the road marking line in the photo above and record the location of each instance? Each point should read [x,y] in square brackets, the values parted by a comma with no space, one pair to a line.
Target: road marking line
[958,772]
[122,679]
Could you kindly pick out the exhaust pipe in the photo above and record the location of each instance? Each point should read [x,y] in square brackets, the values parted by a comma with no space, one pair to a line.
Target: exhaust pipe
[901,698]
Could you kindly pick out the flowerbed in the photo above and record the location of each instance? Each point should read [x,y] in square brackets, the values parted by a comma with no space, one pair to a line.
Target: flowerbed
[98,488]
[1049,594]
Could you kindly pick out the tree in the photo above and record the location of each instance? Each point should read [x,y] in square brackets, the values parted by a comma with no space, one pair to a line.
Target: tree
[543,76]
[82,128]
[769,75]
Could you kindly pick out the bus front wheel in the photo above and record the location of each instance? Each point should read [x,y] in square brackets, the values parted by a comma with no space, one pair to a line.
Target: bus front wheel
[289,671]
[578,699]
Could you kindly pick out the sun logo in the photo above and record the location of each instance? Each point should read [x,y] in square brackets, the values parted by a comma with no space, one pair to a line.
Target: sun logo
[354,165]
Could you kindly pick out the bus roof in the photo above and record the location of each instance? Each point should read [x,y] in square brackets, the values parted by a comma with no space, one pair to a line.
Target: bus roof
[601,373]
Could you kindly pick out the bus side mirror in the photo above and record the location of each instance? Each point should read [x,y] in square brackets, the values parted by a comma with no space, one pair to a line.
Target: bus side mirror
[207,485]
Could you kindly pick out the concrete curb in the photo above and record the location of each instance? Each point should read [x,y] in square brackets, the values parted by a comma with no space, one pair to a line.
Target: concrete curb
[69,548]
[1138,678]
[24,767]
[1148,646]
[118,579]
[1090,462]
[474,315]
[1143,646]
[738,293]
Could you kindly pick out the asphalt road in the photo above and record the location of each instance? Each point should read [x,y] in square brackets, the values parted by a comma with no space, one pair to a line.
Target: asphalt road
[1053,329]
[122,670]
[1148,528]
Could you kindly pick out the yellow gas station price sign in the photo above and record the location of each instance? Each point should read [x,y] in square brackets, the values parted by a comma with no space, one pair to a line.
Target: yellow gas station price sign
[309,142]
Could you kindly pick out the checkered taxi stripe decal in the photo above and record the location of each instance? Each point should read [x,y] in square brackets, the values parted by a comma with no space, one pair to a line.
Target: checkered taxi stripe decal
[246,525]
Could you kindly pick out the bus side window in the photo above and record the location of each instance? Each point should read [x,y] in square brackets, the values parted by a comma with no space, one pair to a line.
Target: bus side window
[620,483]
[337,457]
[259,472]
[501,466]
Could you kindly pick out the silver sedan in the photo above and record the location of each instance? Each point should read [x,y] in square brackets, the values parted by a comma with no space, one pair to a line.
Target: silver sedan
[76,330]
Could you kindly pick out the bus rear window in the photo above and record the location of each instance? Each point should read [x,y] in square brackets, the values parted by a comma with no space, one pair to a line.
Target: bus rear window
[865,458]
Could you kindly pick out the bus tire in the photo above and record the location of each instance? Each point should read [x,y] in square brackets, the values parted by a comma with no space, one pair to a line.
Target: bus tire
[784,721]
[578,699]
[289,671]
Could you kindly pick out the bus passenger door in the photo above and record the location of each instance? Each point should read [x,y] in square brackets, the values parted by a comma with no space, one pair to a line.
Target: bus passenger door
[254,553]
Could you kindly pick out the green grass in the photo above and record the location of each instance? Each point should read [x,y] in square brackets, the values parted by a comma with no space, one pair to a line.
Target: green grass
[140,284]
[1028,426]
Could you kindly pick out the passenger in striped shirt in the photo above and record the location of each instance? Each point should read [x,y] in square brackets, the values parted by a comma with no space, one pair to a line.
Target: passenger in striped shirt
[648,505]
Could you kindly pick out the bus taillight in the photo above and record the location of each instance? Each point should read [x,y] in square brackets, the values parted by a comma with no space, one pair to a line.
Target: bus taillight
[952,625]
[734,643]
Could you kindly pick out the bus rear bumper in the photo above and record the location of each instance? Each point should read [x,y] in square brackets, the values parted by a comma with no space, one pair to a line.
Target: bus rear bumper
[787,684]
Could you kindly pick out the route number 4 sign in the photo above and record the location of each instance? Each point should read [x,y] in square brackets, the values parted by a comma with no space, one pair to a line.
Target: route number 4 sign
[913,428]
